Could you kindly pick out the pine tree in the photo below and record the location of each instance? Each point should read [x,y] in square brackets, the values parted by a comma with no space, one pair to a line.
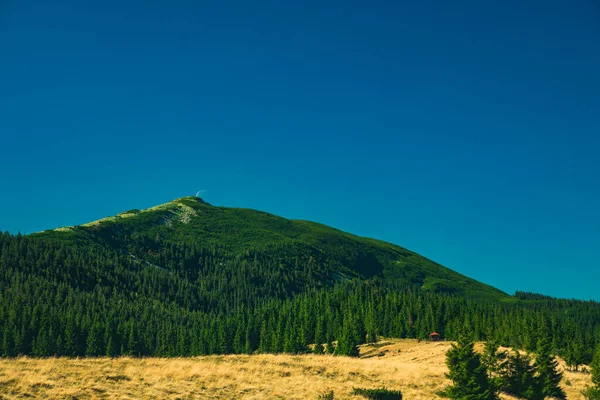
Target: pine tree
[72,339]
[8,342]
[546,367]
[223,340]
[370,326]
[468,374]
[95,342]
[595,367]
[575,350]
[277,337]
[519,378]
[110,338]
[132,340]
[249,343]
[183,345]
[348,341]
[41,344]
[593,392]
[319,348]
[239,339]
[111,347]
[319,337]
[289,341]
[329,347]
[494,362]
[265,343]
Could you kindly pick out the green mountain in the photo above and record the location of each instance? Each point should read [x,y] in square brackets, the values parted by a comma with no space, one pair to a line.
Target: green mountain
[188,278]
[329,254]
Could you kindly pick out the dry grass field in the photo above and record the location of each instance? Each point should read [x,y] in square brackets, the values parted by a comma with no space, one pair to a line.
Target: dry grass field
[417,369]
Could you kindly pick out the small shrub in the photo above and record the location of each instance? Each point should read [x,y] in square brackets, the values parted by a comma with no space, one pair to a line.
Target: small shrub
[591,393]
[117,378]
[378,394]
[326,396]
[568,383]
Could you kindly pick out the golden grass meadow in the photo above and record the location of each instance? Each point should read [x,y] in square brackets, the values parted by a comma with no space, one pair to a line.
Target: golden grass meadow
[417,369]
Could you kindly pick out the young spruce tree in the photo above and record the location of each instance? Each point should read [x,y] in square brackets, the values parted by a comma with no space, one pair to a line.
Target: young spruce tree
[596,368]
[469,376]
[546,367]
[593,392]
[494,362]
[519,378]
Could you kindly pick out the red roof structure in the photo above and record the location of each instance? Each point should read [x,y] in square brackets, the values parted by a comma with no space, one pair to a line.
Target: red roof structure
[434,336]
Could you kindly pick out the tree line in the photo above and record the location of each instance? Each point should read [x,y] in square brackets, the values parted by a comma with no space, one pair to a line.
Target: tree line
[59,299]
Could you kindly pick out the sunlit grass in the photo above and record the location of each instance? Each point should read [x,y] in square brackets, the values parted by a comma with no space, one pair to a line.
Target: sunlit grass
[417,369]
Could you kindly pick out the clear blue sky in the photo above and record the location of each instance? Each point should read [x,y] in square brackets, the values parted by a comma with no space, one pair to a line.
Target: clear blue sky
[466,131]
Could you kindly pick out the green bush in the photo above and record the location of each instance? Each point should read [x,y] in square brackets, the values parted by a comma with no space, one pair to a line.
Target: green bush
[591,393]
[378,394]
[326,396]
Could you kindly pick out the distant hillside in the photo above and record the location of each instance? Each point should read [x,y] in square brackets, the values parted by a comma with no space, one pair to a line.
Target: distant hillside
[327,253]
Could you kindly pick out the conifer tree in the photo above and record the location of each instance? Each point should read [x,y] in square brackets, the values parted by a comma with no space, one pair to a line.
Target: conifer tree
[71,338]
[223,340]
[546,368]
[319,348]
[595,367]
[182,342]
[370,326]
[110,338]
[278,336]
[41,345]
[468,374]
[329,347]
[347,346]
[249,345]
[289,342]
[494,362]
[593,392]
[265,342]
[239,339]
[319,337]
[349,340]
[95,346]
[132,340]
[519,378]
[8,342]
[575,348]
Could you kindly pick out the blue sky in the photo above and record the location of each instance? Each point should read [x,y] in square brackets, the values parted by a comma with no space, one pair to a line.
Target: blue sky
[466,131]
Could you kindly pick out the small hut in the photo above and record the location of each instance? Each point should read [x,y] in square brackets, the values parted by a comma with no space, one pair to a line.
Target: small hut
[434,336]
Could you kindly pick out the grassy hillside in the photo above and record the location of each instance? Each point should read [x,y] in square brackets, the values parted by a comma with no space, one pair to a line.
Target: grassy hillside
[417,369]
[238,232]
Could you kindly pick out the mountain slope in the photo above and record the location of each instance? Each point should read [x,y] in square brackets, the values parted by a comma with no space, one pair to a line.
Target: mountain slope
[330,253]
[187,278]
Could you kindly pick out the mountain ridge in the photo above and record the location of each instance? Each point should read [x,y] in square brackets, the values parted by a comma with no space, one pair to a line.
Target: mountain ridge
[191,219]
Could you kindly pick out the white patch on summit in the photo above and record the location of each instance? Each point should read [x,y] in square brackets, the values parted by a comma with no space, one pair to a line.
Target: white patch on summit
[178,212]
[182,214]
[115,218]
[64,229]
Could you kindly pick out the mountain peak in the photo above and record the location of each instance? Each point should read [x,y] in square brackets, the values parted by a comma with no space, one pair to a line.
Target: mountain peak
[238,232]
[197,199]
[182,209]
